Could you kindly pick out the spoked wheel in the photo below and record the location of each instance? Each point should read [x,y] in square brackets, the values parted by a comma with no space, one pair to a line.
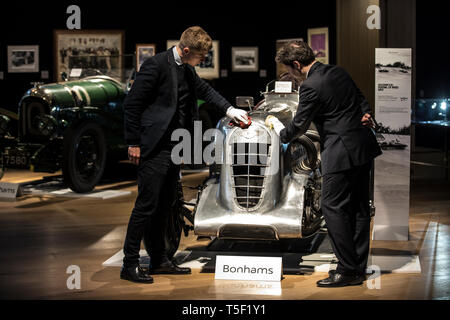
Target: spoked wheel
[174,229]
[84,156]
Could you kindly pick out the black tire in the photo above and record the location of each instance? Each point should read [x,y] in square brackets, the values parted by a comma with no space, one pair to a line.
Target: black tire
[174,227]
[173,232]
[84,156]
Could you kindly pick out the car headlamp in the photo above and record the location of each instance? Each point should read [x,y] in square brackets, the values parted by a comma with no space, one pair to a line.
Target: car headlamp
[45,124]
[4,124]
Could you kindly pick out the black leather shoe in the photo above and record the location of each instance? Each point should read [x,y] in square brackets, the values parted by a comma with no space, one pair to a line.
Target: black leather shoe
[135,274]
[337,279]
[168,267]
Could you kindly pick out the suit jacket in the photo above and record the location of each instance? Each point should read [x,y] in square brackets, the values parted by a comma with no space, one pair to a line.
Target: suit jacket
[152,100]
[331,99]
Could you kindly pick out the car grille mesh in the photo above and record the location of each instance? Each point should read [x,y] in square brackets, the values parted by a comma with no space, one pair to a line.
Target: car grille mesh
[250,161]
[29,116]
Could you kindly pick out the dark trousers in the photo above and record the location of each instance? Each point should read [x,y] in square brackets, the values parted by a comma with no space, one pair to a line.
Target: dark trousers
[157,181]
[346,209]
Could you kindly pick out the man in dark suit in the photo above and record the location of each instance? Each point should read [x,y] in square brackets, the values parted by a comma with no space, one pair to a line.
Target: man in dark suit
[163,98]
[329,97]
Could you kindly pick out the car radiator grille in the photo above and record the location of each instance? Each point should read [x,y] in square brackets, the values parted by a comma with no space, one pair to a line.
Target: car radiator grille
[250,161]
[30,111]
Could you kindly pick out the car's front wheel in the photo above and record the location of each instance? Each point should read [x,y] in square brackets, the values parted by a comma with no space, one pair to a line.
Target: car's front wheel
[84,156]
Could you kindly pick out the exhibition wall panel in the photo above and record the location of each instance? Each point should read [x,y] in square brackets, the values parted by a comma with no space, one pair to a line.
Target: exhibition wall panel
[356,43]
[398,30]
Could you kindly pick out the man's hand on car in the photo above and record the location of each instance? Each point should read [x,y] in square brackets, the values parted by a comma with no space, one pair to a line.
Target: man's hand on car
[272,122]
[237,115]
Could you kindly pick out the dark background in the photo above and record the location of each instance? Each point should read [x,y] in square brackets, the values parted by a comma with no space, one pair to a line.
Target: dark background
[233,23]
[432,53]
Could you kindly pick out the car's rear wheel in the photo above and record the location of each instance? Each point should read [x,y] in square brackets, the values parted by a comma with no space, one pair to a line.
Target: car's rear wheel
[84,156]
[173,232]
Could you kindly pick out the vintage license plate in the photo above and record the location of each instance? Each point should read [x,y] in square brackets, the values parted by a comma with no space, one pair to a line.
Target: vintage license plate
[16,159]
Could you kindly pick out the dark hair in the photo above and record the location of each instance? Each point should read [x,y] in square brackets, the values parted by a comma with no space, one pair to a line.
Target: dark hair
[295,51]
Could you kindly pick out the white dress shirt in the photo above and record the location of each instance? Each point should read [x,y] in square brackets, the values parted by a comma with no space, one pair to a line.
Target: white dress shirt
[177,56]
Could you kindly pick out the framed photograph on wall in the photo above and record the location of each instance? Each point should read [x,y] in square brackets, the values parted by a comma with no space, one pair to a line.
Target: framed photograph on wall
[144,51]
[318,41]
[281,42]
[208,69]
[86,44]
[23,59]
[244,59]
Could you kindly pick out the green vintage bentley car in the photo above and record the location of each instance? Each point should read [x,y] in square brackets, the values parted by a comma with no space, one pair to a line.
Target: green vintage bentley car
[74,125]
[77,126]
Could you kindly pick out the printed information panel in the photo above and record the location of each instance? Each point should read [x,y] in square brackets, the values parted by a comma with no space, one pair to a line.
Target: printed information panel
[393,69]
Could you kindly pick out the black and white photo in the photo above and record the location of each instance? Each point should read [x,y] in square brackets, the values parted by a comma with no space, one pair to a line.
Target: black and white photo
[23,59]
[244,59]
[144,51]
[86,45]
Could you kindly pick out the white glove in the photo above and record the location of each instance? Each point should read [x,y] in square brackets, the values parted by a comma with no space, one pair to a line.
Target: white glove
[237,115]
[272,122]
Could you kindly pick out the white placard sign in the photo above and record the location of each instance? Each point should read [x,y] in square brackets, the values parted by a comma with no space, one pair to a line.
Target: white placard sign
[9,191]
[249,268]
[75,72]
[393,68]
[283,86]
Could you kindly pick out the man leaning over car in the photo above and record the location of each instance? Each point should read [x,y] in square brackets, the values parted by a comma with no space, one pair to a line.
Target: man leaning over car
[330,98]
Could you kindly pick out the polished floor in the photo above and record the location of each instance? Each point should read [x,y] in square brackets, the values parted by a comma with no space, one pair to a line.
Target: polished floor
[42,236]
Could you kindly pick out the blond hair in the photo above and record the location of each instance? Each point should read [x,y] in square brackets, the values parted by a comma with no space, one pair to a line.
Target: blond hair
[195,38]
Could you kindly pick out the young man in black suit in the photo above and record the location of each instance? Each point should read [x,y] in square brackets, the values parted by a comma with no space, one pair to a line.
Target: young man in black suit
[329,97]
[163,98]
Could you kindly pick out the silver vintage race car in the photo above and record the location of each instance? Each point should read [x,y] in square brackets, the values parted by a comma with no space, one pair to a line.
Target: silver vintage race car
[262,189]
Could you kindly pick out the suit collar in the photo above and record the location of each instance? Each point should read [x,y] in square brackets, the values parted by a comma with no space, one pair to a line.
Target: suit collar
[176,56]
[173,73]
[170,57]
[313,68]
[174,76]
